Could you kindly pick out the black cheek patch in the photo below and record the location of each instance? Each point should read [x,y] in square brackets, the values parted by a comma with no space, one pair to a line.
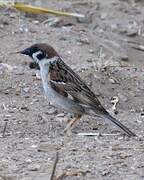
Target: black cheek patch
[41,56]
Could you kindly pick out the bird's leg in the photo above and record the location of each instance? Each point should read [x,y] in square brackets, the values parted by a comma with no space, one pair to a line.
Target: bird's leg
[71,124]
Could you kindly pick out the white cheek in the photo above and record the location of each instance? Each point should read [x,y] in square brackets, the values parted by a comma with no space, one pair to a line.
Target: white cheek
[34,56]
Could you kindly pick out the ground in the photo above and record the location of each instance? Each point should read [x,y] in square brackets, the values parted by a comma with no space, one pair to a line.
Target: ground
[106,50]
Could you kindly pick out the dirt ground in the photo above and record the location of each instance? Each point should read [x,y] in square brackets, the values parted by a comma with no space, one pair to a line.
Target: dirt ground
[107,50]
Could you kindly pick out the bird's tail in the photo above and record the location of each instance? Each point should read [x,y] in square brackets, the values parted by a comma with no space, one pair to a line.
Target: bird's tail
[119,124]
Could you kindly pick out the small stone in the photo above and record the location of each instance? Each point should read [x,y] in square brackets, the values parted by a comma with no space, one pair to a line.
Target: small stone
[23,29]
[132,32]
[12,15]
[26,90]
[33,167]
[114,27]
[38,76]
[25,108]
[62,118]
[124,57]
[28,160]
[122,30]
[103,16]
[87,19]
[89,60]
[41,119]
[34,146]
[47,147]
[55,22]
[63,38]
[84,40]
[51,111]
[69,52]
[60,115]
[111,80]
[36,22]
[8,115]
[91,51]
[1,26]
[105,172]
[19,72]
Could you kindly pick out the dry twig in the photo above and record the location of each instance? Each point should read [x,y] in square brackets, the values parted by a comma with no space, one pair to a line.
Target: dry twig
[96,134]
[4,130]
[54,166]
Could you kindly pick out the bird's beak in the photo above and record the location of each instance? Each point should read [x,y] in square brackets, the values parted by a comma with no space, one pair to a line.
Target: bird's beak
[25,51]
[17,52]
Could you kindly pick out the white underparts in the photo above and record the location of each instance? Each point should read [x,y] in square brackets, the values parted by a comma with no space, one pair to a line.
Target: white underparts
[54,97]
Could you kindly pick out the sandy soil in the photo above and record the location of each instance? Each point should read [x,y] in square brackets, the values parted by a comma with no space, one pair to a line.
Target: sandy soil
[104,50]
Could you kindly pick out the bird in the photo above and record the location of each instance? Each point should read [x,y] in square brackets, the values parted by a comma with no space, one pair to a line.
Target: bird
[65,89]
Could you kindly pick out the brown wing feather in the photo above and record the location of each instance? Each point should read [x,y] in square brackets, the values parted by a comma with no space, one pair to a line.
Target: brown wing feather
[67,82]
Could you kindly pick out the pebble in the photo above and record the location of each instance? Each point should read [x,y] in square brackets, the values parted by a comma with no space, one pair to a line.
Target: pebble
[28,160]
[111,80]
[114,27]
[38,76]
[23,29]
[36,22]
[62,38]
[54,22]
[34,146]
[25,108]
[62,118]
[89,60]
[103,16]
[1,26]
[124,57]
[33,167]
[91,51]
[84,40]
[47,147]
[132,32]
[87,19]
[19,72]
[105,172]
[51,111]
[26,90]
[60,115]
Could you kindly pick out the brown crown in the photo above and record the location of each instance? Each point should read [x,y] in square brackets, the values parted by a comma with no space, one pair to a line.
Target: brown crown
[49,50]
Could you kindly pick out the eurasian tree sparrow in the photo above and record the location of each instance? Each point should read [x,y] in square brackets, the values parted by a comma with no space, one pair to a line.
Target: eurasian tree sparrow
[65,89]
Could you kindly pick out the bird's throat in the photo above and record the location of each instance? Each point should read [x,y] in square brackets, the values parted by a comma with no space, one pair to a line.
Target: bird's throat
[44,70]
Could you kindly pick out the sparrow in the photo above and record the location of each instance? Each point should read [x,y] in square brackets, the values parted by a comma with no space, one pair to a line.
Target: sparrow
[65,89]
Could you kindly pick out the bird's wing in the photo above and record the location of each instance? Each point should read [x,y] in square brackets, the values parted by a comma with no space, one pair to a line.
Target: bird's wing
[65,81]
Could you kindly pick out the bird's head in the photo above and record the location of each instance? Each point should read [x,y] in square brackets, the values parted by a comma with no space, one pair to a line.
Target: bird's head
[40,53]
